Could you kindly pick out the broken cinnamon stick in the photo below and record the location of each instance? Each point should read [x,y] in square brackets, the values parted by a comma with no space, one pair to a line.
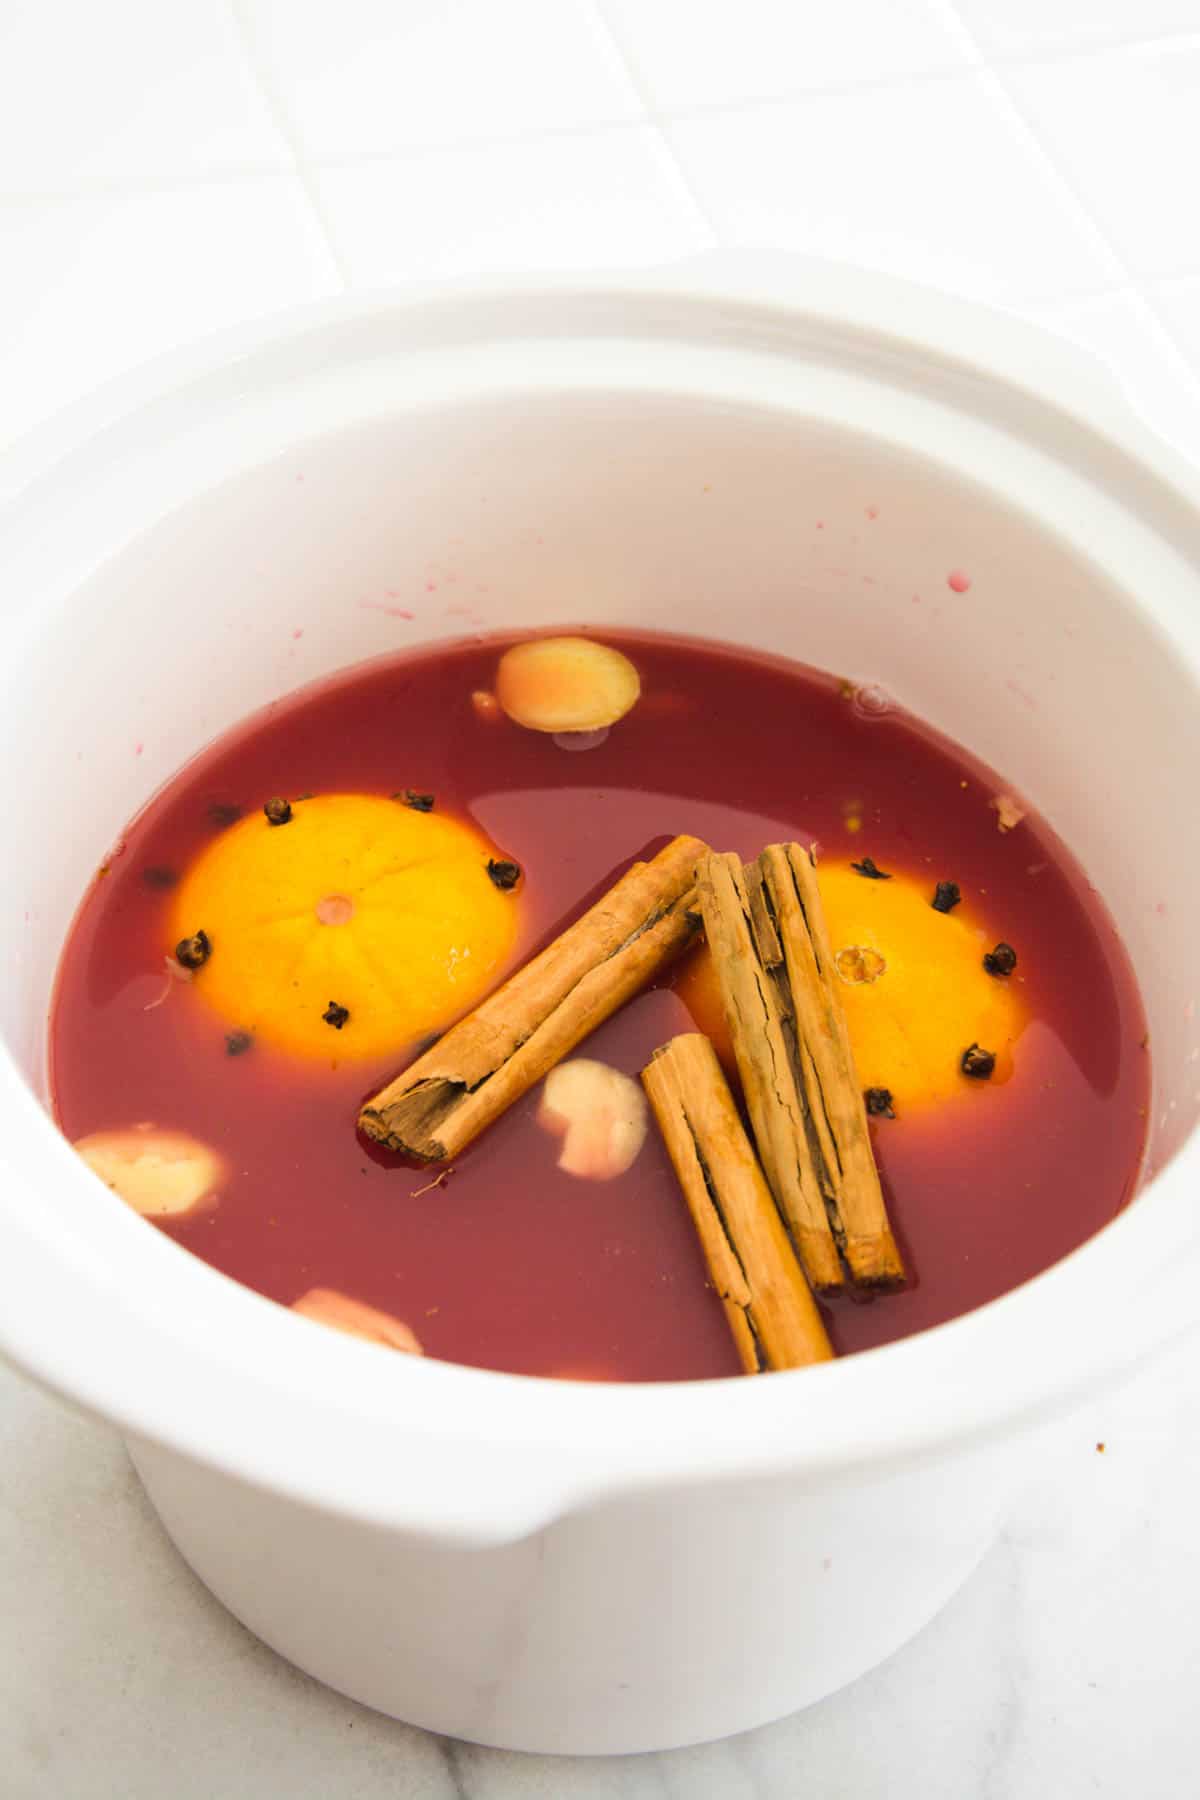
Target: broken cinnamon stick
[770,1308]
[854,1198]
[757,1011]
[496,1054]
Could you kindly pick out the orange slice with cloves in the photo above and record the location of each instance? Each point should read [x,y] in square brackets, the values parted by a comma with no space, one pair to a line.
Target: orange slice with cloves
[352,929]
[912,983]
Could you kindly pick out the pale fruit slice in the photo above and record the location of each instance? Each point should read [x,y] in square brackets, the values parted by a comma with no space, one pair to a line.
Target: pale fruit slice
[561,684]
[357,1319]
[161,1174]
[600,1115]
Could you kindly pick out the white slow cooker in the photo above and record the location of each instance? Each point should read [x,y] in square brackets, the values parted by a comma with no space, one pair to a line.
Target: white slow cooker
[561,1566]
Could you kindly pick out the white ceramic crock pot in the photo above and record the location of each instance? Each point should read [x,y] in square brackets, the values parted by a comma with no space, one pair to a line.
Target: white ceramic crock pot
[525,1563]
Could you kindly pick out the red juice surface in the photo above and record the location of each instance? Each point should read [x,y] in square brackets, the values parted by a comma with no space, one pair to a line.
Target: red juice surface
[512,1263]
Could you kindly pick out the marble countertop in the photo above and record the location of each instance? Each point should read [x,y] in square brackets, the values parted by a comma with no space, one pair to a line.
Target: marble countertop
[1068,1666]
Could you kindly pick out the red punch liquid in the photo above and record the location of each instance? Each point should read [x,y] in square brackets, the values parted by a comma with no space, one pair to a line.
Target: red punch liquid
[513,1264]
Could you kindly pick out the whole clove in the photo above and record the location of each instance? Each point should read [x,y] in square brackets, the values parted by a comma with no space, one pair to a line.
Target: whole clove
[1000,961]
[278,811]
[418,802]
[222,813]
[977,1063]
[336,1015]
[504,874]
[946,896]
[879,1103]
[193,952]
[159,876]
[237,1043]
[868,869]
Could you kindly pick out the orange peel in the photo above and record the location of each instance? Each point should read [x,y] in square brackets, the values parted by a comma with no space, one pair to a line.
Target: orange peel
[357,906]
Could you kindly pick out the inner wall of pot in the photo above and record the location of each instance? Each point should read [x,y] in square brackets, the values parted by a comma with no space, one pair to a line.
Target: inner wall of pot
[729,522]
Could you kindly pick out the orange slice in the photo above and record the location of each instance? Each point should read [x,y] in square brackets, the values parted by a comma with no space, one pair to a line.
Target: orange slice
[358,905]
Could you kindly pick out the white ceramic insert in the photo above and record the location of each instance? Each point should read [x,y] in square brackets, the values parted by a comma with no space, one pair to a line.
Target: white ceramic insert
[536,1564]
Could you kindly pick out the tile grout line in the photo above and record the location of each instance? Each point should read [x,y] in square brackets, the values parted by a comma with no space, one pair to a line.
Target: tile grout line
[344,159]
[1126,280]
[280,116]
[1093,51]
[1145,303]
[185,181]
[978,64]
[988,74]
[1148,297]
[653,117]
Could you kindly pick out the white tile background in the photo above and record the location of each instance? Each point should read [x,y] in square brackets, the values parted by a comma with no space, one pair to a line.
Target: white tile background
[171,166]
[168,167]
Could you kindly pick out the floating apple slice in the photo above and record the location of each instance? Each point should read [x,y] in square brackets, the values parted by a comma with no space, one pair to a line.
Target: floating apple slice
[161,1174]
[599,1114]
[357,1319]
[563,684]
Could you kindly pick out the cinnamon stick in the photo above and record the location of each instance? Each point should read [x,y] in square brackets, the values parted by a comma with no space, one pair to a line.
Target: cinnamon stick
[770,1308]
[496,1054]
[767,935]
[855,1200]
[757,1011]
